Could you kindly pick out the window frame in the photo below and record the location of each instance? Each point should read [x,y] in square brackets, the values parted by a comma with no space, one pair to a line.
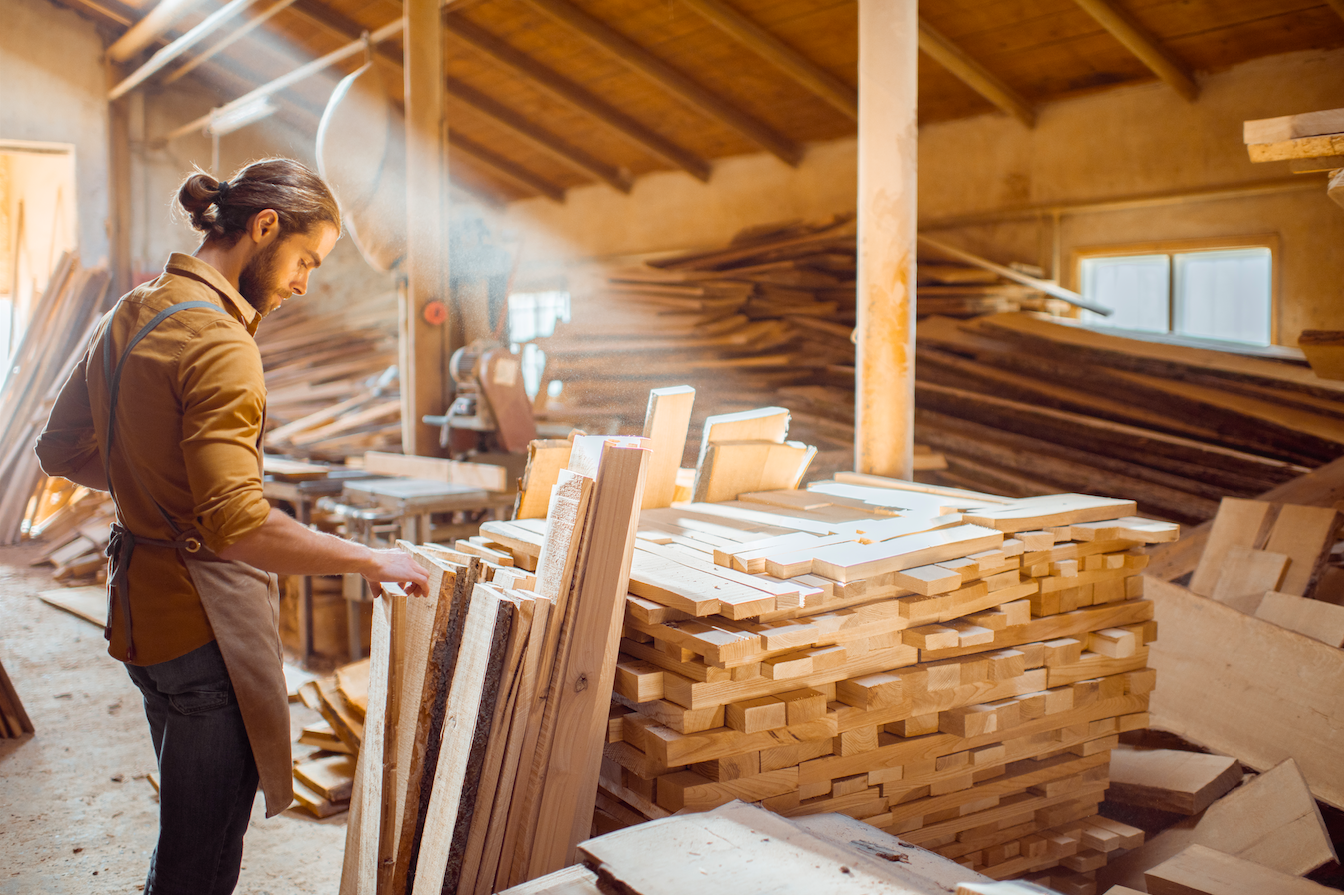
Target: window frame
[1172,247]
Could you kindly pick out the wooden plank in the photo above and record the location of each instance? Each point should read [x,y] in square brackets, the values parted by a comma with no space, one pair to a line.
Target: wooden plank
[332,777]
[583,687]
[1220,667]
[89,603]
[1182,782]
[465,732]
[1306,535]
[731,468]
[665,424]
[1313,618]
[1272,820]
[1199,870]
[1291,127]
[1238,523]
[761,424]
[852,562]
[1302,147]
[1036,513]
[545,458]
[438,469]
[1247,574]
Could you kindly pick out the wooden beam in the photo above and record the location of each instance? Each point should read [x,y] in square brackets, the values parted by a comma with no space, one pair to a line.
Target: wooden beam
[179,46]
[779,54]
[1337,6]
[671,80]
[147,29]
[884,399]
[301,73]
[570,93]
[540,139]
[119,187]
[239,34]
[424,349]
[974,75]
[1142,44]
[498,164]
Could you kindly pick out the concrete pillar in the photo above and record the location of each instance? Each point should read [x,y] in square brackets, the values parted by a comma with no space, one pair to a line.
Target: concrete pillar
[888,145]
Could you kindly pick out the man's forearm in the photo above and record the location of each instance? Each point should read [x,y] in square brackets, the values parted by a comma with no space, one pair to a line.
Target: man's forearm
[286,547]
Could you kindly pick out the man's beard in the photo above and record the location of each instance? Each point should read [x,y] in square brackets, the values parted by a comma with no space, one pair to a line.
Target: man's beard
[257,283]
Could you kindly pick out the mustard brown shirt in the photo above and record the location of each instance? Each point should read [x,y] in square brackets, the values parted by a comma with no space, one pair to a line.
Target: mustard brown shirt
[190,411]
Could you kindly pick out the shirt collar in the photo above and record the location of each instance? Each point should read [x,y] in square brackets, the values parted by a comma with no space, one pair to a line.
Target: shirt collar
[191,266]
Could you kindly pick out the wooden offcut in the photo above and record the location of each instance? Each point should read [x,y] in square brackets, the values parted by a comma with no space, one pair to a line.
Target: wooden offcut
[1181,782]
[1200,870]
[665,425]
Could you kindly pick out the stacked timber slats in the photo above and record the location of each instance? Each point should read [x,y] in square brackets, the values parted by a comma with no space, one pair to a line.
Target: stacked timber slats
[331,389]
[946,665]
[488,698]
[14,721]
[770,315]
[324,779]
[56,337]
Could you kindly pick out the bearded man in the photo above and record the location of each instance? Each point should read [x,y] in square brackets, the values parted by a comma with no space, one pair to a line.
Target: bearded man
[165,411]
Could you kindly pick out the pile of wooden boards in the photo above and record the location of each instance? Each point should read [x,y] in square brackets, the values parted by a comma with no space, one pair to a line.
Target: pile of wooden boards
[57,334]
[488,703]
[323,780]
[769,317]
[1311,142]
[1021,405]
[332,389]
[14,721]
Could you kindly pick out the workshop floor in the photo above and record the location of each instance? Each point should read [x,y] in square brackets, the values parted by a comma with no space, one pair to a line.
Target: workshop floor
[77,814]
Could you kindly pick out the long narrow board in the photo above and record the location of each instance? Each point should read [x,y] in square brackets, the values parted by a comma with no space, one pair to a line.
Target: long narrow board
[665,425]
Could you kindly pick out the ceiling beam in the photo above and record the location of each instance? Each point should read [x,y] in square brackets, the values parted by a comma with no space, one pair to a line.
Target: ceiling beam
[779,54]
[974,75]
[1337,6]
[498,164]
[241,32]
[167,54]
[540,139]
[153,25]
[566,91]
[671,80]
[1143,45]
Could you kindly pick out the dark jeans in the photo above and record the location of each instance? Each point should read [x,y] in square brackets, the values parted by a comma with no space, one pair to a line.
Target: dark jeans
[208,777]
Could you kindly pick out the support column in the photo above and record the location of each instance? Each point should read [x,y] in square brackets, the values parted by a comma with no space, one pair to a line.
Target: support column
[119,209]
[884,393]
[423,357]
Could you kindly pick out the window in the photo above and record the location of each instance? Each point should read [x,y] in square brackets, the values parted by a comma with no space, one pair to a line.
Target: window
[533,315]
[1218,293]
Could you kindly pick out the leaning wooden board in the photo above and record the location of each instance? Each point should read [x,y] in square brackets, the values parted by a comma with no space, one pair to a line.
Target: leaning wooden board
[1244,687]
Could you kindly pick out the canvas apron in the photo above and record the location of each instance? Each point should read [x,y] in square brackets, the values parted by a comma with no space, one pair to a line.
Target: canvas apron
[241,602]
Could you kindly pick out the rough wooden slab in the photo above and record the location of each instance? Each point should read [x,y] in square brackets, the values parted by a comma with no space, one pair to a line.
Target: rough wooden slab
[1272,819]
[1247,574]
[1314,618]
[1247,688]
[1182,782]
[1200,870]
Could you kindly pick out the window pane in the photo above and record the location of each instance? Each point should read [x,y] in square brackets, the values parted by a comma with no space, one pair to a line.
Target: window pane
[1224,295]
[1134,288]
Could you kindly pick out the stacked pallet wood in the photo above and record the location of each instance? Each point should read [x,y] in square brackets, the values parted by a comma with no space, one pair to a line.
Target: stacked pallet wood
[324,778]
[769,315]
[330,377]
[14,721]
[57,335]
[488,701]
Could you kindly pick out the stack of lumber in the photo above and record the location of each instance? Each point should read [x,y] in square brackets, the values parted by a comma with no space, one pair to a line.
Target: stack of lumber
[488,700]
[770,315]
[756,851]
[59,332]
[330,377]
[1311,142]
[945,665]
[14,721]
[1022,405]
[324,780]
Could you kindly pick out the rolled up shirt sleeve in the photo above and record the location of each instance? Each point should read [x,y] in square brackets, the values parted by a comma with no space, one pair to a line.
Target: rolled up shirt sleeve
[223,395]
[68,442]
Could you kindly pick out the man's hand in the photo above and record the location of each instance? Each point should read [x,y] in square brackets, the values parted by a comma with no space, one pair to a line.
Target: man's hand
[395,565]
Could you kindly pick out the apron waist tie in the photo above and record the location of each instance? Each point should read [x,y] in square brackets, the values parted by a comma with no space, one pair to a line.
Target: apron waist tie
[120,546]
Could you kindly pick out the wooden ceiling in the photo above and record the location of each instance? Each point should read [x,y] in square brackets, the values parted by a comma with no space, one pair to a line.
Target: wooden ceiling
[545,95]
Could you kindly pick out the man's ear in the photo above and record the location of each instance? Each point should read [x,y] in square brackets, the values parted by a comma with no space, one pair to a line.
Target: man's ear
[265,224]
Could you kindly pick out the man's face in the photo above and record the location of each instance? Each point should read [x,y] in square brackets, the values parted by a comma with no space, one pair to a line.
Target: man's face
[280,267]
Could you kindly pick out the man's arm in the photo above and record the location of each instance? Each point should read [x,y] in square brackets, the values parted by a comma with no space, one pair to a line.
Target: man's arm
[284,546]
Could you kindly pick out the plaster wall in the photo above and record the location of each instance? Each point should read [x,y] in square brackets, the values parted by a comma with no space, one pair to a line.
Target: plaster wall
[1136,140]
[52,90]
